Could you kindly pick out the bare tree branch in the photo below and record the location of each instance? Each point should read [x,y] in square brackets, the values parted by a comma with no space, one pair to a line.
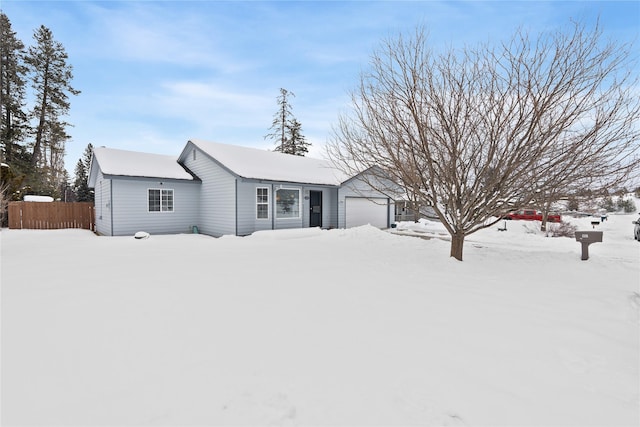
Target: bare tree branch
[479,131]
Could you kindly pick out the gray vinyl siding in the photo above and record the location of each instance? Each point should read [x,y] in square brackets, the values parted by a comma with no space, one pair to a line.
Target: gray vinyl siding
[332,210]
[130,206]
[102,204]
[247,215]
[217,208]
[247,212]
[358,188]
[247,221]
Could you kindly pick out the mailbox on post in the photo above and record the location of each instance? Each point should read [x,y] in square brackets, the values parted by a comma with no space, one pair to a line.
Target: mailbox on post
[586,238]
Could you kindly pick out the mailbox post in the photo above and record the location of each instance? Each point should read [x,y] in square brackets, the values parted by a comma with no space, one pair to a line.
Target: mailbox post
[586,238]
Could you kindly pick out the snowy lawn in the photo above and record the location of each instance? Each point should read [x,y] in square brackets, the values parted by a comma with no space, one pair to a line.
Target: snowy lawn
[309,327]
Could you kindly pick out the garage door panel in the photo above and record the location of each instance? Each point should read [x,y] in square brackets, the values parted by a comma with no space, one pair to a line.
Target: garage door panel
[362,211]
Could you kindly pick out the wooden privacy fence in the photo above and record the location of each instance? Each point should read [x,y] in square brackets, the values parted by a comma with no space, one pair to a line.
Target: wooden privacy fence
[52,215]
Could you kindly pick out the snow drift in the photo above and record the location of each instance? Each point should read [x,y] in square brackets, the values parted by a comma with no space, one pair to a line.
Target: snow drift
[340,327]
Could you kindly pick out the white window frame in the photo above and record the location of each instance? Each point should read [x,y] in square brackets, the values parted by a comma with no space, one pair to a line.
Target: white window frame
[260,203]
[164,207]
[299,203]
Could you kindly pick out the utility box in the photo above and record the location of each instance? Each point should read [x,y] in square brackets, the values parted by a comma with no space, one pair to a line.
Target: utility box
[586,238]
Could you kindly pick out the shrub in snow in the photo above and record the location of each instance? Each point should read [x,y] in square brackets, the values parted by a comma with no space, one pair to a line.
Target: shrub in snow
[607,204]
[141,235]
[561,229]
[573,204]
[626,205]
[531,227]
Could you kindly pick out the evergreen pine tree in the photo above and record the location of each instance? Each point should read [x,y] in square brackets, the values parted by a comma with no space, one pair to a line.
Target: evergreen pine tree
[13,119]
[298,144]
[51,80]
[65,191]
[81,183]
[286,131]
[279,124]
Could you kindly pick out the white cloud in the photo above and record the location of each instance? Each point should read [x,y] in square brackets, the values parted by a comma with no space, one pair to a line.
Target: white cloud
[152,32]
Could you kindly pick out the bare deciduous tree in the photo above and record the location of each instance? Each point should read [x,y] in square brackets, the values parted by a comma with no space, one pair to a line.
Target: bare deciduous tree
[477,132]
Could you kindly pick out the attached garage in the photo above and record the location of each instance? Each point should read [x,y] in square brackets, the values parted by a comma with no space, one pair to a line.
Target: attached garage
[362,211]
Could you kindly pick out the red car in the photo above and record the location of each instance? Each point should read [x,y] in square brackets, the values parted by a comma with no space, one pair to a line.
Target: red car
[532,215]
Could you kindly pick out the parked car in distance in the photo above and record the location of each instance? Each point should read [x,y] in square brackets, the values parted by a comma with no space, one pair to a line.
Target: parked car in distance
[636,229]
[532,215]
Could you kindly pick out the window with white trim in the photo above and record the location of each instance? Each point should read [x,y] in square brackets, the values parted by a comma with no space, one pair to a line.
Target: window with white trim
[262,203]
[160,200]
[287,203]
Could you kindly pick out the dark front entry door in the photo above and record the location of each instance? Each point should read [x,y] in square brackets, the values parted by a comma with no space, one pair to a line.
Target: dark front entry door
[315,208]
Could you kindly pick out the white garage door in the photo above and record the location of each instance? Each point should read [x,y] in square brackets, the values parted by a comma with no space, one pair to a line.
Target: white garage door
[361,211]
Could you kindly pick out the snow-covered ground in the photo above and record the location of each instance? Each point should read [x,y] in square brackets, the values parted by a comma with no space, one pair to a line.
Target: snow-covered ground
[309,327]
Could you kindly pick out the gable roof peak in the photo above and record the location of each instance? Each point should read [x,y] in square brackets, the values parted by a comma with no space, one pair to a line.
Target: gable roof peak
[118,162]
[255,163]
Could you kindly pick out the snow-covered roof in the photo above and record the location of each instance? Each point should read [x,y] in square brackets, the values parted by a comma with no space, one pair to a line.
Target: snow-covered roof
[133,163]
[272,166]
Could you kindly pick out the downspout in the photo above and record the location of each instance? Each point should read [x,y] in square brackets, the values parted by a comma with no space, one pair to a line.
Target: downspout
[236,203]
[273,208]
[338,208]
[111,206]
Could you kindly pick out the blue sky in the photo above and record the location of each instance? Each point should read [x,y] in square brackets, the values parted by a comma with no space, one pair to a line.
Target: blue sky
[155,73]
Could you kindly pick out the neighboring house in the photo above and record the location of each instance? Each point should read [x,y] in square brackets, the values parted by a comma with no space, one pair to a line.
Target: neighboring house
[219,189]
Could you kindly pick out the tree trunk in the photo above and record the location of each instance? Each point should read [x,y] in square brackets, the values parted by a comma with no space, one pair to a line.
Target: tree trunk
[546,208]
[543,223]
[457,242]
[8,146]
[37,146]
